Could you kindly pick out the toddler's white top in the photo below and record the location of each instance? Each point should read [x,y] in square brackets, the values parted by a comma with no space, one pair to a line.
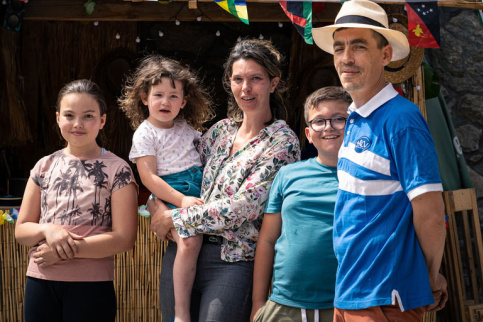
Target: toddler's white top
[174,148]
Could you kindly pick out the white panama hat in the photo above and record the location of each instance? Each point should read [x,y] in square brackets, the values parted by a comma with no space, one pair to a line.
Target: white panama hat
[362,14]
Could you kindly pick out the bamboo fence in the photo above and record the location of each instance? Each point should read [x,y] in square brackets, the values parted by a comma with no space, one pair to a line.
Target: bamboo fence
[136,276]
[14,260]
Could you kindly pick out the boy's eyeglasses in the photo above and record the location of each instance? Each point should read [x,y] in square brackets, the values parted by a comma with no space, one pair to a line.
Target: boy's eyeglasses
[319,124]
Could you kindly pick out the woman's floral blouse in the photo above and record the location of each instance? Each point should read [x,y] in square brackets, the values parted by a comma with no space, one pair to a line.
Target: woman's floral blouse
[235,188]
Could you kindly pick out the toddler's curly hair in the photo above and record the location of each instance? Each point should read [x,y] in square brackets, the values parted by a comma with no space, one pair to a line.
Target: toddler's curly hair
[148,74]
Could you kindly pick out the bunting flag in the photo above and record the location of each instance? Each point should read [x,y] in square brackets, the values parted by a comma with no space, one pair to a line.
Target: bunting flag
[238,8]
[300,13]
[423,24]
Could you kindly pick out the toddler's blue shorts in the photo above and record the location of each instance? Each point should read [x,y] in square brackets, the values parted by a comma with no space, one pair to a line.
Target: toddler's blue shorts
[188,182]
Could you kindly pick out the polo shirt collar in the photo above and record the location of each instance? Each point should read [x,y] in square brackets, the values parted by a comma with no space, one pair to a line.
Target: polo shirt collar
[386,94]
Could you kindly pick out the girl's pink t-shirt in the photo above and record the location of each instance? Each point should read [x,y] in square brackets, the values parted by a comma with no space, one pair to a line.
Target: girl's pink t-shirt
[76,194]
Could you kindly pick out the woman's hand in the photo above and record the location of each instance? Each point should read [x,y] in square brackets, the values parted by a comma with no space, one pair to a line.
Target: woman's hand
[61,241]
[44,256]
[161,221]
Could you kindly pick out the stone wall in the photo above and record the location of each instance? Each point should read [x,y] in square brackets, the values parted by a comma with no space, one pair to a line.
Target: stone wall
[459,65]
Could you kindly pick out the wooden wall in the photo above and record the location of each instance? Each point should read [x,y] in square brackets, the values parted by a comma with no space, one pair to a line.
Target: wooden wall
[48,54]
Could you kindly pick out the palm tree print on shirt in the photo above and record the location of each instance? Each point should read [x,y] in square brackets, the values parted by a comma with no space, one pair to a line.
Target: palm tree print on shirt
[95,170]
[80,191]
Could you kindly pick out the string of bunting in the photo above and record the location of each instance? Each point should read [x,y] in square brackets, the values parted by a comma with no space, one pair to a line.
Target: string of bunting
[90,6]
[423,17]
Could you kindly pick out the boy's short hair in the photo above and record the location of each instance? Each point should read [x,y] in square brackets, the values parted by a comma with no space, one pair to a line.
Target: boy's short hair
[329,93]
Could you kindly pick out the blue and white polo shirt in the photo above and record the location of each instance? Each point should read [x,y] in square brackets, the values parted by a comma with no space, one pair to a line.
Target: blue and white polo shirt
[387,159]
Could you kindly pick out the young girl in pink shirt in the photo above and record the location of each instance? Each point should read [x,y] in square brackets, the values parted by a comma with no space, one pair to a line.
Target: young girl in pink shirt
[78,210]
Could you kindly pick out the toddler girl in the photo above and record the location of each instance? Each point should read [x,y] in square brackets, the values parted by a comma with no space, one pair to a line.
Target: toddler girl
[165,104]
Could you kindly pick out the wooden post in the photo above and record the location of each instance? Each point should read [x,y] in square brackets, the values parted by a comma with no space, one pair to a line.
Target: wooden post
[192,4]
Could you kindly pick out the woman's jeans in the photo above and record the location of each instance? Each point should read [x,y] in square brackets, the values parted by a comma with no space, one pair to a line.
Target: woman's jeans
[222,291]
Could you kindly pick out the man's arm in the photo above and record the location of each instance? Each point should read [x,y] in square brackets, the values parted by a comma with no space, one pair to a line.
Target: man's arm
[265,252]
[428,219]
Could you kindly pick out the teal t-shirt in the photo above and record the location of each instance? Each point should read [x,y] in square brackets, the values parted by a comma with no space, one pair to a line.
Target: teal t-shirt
[304,265]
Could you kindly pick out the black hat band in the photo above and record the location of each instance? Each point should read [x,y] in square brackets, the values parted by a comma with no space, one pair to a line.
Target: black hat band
[359,19]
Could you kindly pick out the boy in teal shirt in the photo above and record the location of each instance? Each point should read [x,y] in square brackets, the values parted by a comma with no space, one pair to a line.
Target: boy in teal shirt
[295,242]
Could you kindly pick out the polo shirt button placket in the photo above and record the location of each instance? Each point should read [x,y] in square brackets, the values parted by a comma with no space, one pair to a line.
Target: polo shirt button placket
[351,121]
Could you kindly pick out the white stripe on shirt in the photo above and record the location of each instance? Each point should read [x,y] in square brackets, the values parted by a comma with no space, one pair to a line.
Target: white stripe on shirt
[380,187]
[367,187]
[423,189]
[366,159]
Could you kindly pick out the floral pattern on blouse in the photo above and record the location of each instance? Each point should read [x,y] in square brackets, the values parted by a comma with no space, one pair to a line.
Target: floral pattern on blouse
[236,188]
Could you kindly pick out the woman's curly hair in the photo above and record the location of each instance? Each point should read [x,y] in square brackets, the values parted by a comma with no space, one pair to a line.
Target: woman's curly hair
[149,73]
[265,54]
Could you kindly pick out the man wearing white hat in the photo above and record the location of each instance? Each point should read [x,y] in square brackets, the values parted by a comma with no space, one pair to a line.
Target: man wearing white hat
[389,228]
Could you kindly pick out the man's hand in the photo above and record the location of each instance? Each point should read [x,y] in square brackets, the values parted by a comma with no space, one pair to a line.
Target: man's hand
[440,294]
[161,221]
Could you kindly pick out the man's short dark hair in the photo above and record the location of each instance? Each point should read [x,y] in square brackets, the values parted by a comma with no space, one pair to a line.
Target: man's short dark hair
[380,39]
